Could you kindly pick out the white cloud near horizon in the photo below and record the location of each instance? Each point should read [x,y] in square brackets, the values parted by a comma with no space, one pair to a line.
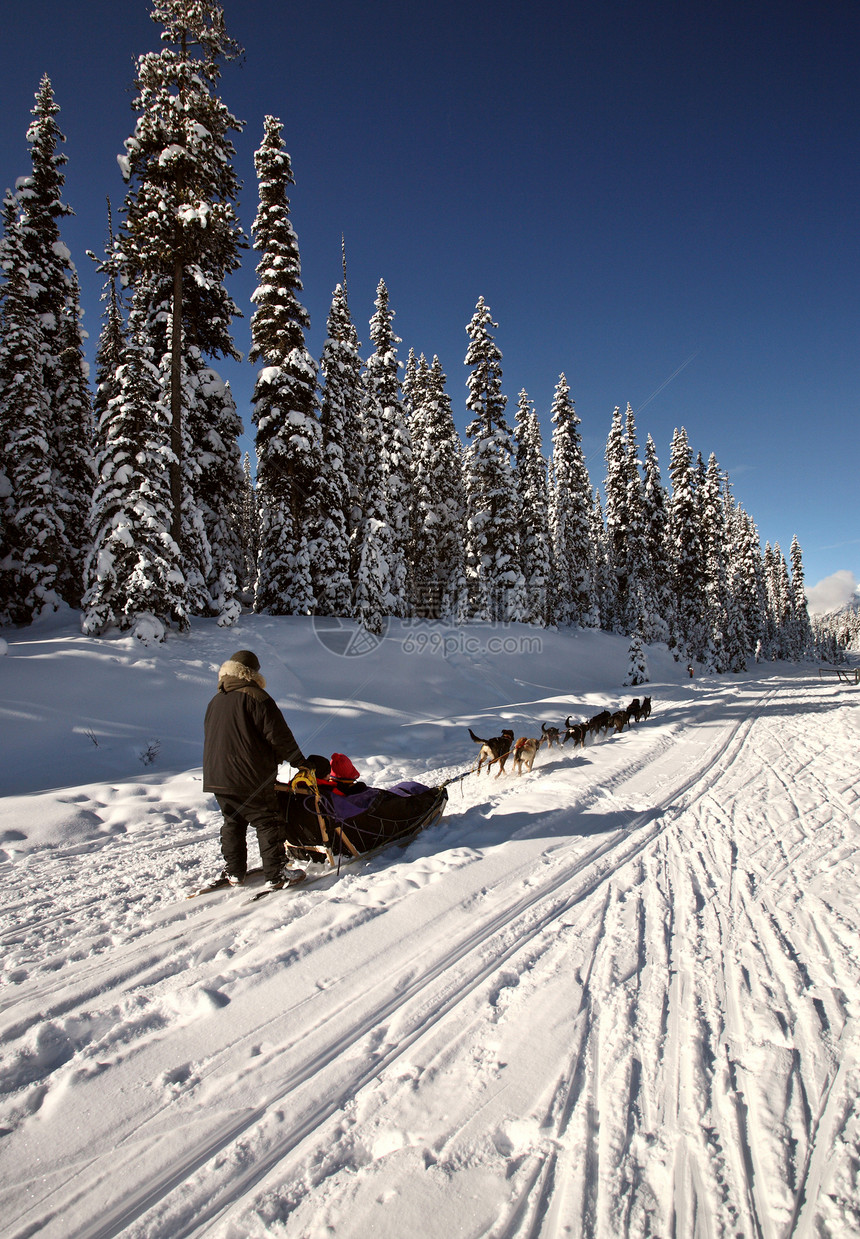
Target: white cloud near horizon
[833,592]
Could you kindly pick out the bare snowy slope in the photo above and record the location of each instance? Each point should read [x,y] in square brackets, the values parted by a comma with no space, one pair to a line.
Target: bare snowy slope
[618,996]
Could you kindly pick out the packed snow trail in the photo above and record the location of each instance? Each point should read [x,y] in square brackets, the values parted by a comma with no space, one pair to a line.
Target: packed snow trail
[616,997]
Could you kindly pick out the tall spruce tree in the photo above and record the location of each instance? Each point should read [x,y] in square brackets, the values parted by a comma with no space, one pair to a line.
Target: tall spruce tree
[33,533]
[249,532]
[738,645]
[496,584]
[750,587]
[341,457]
[438,500]
[687,553]
[781,604]
[715,546]
[132,577]
[640,583]
[180,240]
[603,597]
[570,516]
[375,550]
[214,428]
[534,537]
[393,444]
[343,402]
[803,628]
[42,286]
[655,510]
[615,492]
[289,442]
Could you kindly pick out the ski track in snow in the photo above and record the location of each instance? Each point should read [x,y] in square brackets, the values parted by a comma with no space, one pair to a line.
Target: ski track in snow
[616,997]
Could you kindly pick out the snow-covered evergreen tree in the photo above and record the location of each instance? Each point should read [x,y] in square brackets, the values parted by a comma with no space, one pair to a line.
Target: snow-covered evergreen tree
[214,428]
[394,446]
[33,535]
[249,527]
[749,584]
[602,581]
[637,664]
[615,514]
[54,287]
[737,643]
[343,402]
[496,585]
[39,265]
[570,517]
[416,381]
[438,499]
[534,537]
[289,440]
[373,599]
[341,458]
[781,604]
[715,545]
[133,581]
[603,596]
[641,586]
[412,384]
[687,554]
[180,240]
[803,629]
[655,511]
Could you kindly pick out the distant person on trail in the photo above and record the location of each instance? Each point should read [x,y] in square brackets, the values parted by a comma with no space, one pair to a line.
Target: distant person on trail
[246,737]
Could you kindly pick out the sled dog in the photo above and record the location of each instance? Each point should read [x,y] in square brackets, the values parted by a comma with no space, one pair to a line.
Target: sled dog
[525,752]
[575,732]
[494,750]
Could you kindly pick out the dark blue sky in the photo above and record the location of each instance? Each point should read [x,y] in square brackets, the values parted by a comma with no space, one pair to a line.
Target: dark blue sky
[630,186]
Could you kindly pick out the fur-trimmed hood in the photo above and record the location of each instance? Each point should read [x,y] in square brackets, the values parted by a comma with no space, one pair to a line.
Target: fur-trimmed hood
[238,671]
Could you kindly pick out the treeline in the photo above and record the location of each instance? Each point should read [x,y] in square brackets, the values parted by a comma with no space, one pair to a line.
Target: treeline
[837,631]
[137,508]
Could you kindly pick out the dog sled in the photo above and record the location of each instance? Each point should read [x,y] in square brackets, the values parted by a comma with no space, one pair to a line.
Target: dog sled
[325,827]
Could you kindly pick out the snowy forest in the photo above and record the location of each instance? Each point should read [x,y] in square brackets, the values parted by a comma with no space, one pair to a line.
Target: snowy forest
[131,501]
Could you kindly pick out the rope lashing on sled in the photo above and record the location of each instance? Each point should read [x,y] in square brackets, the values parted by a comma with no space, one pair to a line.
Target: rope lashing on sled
[306,780]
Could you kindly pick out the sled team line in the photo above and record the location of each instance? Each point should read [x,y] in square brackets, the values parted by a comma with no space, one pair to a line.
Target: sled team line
[497,749]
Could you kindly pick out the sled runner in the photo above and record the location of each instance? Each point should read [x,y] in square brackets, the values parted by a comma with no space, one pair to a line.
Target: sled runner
[320,826]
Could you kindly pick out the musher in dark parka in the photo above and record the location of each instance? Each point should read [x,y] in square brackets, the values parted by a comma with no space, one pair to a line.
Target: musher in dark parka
[246,737]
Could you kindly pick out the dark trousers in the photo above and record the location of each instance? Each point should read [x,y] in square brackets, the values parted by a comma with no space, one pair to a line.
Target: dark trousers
[261,812]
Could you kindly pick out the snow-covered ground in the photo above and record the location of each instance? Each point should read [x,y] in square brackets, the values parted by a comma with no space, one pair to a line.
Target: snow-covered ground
[619,996]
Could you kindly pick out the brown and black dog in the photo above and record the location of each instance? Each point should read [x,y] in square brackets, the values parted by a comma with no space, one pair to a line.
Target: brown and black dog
[494,750]
[575,732]
[550,735]
[600,722]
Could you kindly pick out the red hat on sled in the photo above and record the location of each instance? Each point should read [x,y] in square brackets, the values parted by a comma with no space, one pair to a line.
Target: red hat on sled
[342,767]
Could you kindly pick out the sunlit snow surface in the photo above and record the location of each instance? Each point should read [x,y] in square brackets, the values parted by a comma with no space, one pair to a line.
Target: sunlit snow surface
[617,996]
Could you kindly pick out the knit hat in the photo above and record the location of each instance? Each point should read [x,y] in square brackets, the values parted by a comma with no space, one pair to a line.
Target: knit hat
[319,765]
[247,658]
[342,767]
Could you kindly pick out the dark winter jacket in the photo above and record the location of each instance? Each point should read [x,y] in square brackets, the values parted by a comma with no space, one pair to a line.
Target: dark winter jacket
[246,737]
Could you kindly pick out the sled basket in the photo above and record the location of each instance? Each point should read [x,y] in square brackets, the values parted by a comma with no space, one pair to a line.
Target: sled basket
[322,826]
